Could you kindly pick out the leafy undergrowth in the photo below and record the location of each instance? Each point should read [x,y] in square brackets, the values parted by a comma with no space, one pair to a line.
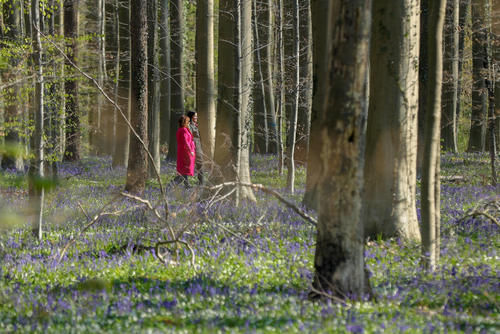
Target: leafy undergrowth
[253,264]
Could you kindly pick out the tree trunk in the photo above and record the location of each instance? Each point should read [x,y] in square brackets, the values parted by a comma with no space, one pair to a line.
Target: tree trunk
[121,149]
[36,164]
[73,131]
[177,71]
[227,139]
[389,201]
[280,106]
[13,111]
[479,72]
[165,114]
[321,38]
[138,159]
[430,173]
[450,79]
[423,74]
[292,45]
[205,76]
[153,87]
[245,193]
[305,83]
[339,262]
[261,40]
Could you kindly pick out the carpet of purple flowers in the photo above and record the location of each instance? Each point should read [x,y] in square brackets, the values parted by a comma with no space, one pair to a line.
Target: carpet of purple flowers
[253,264]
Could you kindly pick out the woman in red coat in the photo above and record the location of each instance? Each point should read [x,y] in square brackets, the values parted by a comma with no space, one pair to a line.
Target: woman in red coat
[185,151]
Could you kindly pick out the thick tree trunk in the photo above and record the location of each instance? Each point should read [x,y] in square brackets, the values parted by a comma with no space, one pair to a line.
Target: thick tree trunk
[430,173]
[205,76]
[389,201]
[153,87]
[13,111]
[450,79]
[339,261]
[292,45]
[177,72]
[305,83]
[138,158]
[479,72]
[73,131]
[121,149]
[37,141]
[321,38]
[228,106]
[165,114]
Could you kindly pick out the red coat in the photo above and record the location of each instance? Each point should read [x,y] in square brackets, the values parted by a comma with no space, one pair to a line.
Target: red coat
[185,152]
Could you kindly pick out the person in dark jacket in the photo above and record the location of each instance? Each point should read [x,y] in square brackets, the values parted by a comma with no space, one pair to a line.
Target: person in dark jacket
[193,126]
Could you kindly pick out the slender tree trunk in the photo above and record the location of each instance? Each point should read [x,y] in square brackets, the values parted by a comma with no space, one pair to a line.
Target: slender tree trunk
[464,20]
[321,38]
[138,159]
[205,75]
[292,45]
[479,71]
[73,131]
[121,151]
[177,72]
[389,201]
[36,164]
[13,111]
[153,87]
[339,262]
[117,47]
[281,87]
[165,113]
[430,173]
[260,127]
[450,80]
[305,83]
[491,128]
[245,193]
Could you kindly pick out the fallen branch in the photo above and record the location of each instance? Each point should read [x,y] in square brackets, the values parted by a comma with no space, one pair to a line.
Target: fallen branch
[260,187]
[483,208]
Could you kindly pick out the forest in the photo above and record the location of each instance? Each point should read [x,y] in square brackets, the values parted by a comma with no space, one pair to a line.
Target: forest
[345,177]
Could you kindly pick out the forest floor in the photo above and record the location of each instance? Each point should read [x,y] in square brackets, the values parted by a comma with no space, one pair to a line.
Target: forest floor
[253,265]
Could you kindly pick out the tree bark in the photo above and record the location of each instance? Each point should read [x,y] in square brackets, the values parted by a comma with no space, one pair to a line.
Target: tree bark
[479,72]
[321,40]
[430,173]
[73,130]
[138,159]
[205,75]
[153,87]
[450,80]
[389,201]
[339,262]
[177,71]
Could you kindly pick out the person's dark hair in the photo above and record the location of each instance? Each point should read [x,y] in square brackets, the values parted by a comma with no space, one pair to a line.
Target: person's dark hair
[183,121]
[190,114]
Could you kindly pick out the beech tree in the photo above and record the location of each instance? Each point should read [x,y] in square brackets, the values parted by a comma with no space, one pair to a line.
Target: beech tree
[431,161]
[153,86]
[138,158]
[339,260]
[389,201]
[235,65]
[205,75]
[73,130]
[36,170]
